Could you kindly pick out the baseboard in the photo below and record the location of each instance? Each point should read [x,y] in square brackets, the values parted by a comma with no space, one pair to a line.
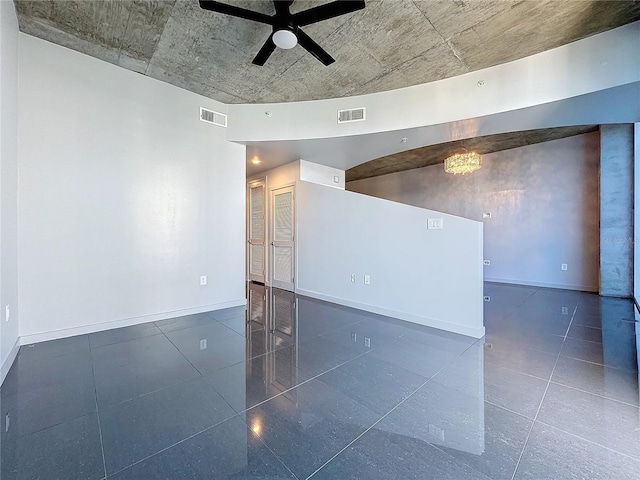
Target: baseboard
[126,322]
[426,321]
[580,288]
[8,362]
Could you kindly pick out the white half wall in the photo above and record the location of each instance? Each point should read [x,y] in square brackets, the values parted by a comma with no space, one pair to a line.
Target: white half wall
[430,277]
[126,198]
[8,186]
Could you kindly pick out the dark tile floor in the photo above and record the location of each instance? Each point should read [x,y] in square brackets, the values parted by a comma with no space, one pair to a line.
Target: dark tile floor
[298,388]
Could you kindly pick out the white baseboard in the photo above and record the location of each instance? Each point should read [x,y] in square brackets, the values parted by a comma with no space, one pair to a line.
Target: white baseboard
[581,288]
[475,332]
[8,362]
[126,322]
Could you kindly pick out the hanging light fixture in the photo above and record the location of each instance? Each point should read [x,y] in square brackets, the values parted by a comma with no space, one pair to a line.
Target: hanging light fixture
[465,162]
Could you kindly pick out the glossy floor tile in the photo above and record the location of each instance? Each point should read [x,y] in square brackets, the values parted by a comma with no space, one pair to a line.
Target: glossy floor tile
[297,388]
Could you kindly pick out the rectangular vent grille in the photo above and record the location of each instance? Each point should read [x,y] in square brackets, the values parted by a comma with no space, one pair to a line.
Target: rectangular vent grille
[210,116]
[353,115]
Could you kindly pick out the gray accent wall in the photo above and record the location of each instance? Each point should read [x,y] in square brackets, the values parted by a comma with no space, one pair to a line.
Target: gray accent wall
[616,210]
[636,218]
[544,206]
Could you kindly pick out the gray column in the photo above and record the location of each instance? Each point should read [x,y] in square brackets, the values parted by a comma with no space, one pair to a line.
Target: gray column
[616,210]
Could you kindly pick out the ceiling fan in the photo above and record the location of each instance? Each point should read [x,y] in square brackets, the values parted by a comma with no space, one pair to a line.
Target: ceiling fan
[286,26]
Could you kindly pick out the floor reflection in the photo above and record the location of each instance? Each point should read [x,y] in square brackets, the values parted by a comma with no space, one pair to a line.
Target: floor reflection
[293,387]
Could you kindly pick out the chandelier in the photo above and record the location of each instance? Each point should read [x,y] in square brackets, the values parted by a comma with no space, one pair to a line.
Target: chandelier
[466,162]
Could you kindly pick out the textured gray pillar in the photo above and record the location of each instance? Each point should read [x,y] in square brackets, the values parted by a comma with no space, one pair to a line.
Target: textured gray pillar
[616,210]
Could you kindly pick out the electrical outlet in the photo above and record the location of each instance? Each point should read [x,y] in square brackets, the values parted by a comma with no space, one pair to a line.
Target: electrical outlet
[203,279]
[367,342]
[487,298]
[354,336]
[353,278]
[563,266]
[336,179]
[486,262]
[565,311]
[6,423]
[486,215]
[367,280]
[7,313]
[203,344]
[436,432]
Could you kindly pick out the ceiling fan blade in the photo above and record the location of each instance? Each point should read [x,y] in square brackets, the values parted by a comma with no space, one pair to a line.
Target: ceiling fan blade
[282,5]
[265,52]
[326,11]
[313,48]
[235,11]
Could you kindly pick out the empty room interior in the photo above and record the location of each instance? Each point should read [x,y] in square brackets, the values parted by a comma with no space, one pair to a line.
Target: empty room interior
[389,239]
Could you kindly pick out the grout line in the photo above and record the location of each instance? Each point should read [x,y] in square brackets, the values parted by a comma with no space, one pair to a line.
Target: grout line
[392,410]
[518,371]
[570,323]
[175,444]
[95,392]
[535,418]
[183,355]
[595,394]
[508,409]
[590,441]
[619,369]
[303,383]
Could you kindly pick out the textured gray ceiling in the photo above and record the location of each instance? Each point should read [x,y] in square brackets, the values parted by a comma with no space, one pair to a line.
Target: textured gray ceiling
[390,44]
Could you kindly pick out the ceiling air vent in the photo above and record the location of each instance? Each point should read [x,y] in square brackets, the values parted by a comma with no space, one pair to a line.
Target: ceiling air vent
[210,116]
[353,115]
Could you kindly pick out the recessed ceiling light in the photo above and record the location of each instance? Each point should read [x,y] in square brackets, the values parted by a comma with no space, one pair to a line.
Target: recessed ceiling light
[256,161]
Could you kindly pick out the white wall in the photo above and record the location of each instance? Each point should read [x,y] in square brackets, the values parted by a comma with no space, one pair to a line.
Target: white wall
[322,175]
[279,177]
[126,198]
[8,184]
[430,277]
[544,207]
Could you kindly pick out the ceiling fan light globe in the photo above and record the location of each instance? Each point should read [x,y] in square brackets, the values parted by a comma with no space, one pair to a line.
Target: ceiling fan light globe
[285,39]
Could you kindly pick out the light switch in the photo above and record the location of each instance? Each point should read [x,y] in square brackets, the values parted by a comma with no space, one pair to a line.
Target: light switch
[435,224]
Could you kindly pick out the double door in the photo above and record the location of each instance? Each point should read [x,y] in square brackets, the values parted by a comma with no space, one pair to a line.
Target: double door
[280,256]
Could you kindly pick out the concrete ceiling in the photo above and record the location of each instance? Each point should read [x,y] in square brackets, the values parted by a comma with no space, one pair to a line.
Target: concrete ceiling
[388,45]
[434,154]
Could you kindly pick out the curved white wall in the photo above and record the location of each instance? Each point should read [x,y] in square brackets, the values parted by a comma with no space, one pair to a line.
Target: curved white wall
[597,63]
